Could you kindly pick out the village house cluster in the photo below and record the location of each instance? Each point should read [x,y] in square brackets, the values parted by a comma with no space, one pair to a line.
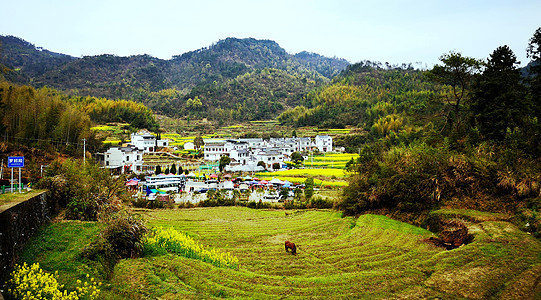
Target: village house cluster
[245,154]
[129,158]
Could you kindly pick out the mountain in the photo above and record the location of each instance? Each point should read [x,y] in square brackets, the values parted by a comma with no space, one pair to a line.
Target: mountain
[258,95]
[28,61]
[328,67]
[146,79]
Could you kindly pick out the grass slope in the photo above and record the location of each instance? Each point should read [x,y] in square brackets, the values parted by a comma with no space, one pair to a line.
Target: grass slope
[369,257]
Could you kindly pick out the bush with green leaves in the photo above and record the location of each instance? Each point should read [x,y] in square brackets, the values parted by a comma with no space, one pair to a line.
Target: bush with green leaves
[405,178]
[88,191]
[122,238]
[320,203]
[220,198]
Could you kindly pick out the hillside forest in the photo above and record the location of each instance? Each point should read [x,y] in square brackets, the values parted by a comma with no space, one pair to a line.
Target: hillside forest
[231,80]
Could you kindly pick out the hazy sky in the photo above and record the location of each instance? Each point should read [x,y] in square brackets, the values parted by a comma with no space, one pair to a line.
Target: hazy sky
[379,30]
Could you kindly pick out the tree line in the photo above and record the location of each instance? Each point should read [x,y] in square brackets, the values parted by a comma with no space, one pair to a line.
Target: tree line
[472,141]
[44,116]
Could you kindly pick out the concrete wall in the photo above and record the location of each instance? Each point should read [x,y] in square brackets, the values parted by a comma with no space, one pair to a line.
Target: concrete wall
[18,223]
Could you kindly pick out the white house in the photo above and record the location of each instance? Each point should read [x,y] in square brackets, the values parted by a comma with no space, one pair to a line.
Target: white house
[144,141]
[147,141]
[269,157]
[125,158]
[162,143]
[323,143]
[214,150]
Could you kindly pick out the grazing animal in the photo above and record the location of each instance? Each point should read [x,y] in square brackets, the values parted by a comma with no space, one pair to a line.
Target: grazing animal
[290,245]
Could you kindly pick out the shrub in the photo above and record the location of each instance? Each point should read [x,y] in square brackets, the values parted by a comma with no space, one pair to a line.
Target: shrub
[186,205]
[219,198]
[259,205]
[122,238]
[295,204]
[31,282]
[87,191]
[58,188]
[319,202]
[405,178]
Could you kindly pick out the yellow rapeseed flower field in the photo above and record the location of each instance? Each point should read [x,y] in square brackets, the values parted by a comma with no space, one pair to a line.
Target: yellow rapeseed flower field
[31,282]
[161,240]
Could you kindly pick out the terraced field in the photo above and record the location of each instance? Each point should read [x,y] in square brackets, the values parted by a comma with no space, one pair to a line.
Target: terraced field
[372,256]
[338,258]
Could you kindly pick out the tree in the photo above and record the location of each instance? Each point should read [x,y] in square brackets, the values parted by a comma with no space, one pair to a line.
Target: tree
[309,188]
[224,161]
[534,53]
[534,46]
[276,166]
[173,169]
[198,142]
[262,164]
[458,72]
[158,170]
[194,104]
[499,101]
[296,158]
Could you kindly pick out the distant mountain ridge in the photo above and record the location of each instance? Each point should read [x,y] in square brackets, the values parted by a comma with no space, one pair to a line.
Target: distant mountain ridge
[223,60]
[140,77]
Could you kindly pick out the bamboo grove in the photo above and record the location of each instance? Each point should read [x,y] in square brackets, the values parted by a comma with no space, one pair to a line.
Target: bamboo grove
[44,116]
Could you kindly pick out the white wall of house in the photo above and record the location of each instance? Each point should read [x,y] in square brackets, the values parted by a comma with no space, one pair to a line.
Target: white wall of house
[122,157]
[269,157]
[214,150]
[162,143]
[323,143]
[144,141]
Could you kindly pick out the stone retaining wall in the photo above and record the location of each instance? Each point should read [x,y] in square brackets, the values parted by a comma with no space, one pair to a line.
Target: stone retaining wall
[17,225]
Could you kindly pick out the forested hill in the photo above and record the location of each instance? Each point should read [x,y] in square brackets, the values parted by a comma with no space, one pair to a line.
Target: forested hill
[144,78]
[365,95]
[27,60]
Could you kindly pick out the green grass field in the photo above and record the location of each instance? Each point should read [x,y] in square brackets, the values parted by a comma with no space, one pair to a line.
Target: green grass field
[9,199]
[338,258]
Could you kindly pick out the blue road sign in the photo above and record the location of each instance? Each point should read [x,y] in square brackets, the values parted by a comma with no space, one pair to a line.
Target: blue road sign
[16,162]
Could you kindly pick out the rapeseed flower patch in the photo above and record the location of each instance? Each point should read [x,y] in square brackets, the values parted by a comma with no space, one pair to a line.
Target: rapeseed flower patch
[160,241]
[31,282]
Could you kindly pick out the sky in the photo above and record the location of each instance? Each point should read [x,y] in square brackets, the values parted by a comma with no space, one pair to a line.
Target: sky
[415,31]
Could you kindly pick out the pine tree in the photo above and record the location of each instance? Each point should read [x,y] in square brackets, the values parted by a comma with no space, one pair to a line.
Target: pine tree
[499,100]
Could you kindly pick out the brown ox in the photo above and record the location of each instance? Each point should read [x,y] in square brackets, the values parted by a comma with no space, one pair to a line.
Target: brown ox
[290,245]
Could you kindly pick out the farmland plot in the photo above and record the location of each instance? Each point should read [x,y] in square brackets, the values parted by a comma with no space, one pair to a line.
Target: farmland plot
[337,258]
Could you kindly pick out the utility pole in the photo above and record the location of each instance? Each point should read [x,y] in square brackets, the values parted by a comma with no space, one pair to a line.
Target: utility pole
[84,151]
